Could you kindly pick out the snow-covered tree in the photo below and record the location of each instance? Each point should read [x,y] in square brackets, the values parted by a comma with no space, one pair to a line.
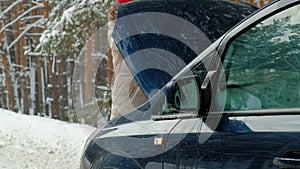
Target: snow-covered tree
[69,26]
[71,23]
[19,22]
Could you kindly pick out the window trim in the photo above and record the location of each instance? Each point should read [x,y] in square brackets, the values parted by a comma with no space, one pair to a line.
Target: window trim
[260,112]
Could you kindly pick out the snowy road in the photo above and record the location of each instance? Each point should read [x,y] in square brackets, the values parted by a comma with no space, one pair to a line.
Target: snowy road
[39,143]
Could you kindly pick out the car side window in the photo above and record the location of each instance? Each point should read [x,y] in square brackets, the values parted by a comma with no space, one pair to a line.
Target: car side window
[262,65]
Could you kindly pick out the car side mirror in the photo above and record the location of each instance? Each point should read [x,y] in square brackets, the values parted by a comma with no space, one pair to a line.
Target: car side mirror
[183,96]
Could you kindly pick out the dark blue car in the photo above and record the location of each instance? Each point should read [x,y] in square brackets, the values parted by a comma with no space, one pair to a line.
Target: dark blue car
[236,105]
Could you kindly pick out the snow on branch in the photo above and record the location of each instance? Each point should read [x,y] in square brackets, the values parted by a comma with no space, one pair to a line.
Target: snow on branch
[20,16]
[10,7]
[68,15]
[71,23]
[25,31]
[37,3]
[33,17]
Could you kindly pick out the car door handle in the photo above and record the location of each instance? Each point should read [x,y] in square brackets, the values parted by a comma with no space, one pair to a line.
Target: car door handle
[286,163]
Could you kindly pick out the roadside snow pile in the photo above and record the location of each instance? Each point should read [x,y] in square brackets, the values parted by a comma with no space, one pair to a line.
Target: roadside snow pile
[36,142]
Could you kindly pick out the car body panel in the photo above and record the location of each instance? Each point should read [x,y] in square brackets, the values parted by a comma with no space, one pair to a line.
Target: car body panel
[271,136]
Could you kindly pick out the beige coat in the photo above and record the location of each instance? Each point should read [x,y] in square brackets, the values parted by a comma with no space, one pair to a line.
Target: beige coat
[126,93]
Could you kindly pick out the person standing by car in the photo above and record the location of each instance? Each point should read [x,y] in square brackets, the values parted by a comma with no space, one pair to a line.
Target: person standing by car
[126,93]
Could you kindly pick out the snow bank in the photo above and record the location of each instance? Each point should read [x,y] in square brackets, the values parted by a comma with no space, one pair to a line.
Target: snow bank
[36,142]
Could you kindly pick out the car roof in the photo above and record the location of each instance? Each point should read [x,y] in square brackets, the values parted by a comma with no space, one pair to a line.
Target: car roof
[212,17]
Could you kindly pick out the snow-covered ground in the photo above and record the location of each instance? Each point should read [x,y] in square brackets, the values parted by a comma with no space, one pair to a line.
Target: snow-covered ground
[39,143]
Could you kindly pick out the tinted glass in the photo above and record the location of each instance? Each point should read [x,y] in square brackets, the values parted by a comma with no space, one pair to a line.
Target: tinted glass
[186,96]
[263,65]
[156,51]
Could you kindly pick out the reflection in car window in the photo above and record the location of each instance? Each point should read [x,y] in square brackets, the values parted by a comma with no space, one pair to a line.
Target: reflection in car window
[263,65]
[189,97]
